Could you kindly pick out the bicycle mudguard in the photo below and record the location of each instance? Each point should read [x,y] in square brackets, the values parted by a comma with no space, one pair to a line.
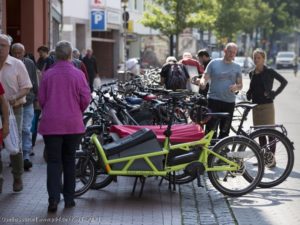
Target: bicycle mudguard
[180,132]
[134,100]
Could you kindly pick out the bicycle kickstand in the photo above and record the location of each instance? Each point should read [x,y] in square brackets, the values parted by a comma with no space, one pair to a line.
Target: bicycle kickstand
[160,182]
[199,179]
[142,185]
[134,185]
[174,184]
[143,179]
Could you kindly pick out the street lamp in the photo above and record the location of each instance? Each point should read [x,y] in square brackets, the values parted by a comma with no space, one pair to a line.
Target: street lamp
[125,17]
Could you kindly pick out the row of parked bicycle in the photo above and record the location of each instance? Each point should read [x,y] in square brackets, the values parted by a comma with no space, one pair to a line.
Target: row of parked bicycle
[139,129]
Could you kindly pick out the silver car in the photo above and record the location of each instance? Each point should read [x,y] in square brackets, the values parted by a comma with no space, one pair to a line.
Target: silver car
[286,60]
[246,63]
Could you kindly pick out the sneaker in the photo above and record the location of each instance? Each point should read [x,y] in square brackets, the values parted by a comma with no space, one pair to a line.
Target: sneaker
[1,184]
[52,207]
[269,160]
[18,185]
[271,164]
[70,204]
[27,164]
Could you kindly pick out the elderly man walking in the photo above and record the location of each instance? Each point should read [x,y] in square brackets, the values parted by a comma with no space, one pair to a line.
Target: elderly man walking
[18,51]
[91,65]
[16,83]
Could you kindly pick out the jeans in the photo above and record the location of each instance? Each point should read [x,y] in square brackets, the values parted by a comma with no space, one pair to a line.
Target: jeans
[34,126]
[60,151]
[223,123]
[26,134]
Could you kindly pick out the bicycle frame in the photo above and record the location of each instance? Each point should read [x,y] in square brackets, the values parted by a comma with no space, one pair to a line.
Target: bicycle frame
[234,165]
[203,158]
[242,117]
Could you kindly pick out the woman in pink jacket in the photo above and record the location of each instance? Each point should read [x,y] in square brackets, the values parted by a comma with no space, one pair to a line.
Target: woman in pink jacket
[63,96]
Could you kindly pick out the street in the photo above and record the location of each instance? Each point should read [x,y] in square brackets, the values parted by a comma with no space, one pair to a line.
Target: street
[281,204]
[188,205]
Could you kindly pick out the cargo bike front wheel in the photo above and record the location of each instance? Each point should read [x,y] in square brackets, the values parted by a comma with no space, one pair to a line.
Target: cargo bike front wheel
[247,155]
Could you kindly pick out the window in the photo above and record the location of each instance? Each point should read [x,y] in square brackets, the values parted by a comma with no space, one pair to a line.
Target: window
[135,5]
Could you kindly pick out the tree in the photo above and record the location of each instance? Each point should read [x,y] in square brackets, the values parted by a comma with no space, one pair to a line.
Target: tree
[255,16]
[171,17]
[238,17]
[285,18]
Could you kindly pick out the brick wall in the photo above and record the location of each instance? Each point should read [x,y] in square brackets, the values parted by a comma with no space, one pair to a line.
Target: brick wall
[1,8]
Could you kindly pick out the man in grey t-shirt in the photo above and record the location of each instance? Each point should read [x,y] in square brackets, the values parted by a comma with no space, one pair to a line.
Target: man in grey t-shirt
[225,78]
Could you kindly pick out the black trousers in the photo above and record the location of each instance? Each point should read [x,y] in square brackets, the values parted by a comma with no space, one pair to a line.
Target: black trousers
[91,82]
[223,123]
[60,151]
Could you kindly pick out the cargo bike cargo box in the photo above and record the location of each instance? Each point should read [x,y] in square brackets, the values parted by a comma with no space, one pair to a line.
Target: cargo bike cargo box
[141,142]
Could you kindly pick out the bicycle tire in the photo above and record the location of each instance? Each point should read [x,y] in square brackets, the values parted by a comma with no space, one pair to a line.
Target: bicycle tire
[143,117]
[85,174]
[87,119]
[284,148]
[243,151]
[102,179]
[180,117]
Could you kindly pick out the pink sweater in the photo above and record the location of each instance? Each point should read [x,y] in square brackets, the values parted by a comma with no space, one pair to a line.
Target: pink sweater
[63,95]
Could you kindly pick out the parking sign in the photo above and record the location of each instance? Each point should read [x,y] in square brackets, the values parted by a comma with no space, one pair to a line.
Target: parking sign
[98,20]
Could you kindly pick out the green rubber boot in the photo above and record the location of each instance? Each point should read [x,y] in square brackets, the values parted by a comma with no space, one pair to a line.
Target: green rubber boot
[17,165]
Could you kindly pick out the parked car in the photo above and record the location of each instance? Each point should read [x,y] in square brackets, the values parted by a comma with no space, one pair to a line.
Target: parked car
[217,54]
[286,60]
[246,63]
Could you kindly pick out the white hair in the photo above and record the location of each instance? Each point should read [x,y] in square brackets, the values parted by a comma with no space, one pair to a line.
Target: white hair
[18,45]
[231,45]
[7,38]
[187,55]
[63,50]
[171,59]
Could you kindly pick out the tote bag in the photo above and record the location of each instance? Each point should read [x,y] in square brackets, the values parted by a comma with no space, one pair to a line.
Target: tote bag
[12,140]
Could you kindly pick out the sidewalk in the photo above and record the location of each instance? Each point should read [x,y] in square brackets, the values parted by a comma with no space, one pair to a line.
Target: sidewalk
[113,205]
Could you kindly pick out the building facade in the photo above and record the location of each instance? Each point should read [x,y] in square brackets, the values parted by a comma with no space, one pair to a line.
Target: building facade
[31,22]
[100,25]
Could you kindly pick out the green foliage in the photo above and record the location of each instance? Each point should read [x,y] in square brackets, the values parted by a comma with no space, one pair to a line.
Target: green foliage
[236,16]
[285,15]
[206,16]
[226,18]
[171,17]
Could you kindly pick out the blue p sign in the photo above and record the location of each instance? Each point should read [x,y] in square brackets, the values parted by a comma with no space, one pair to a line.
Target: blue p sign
[98,20]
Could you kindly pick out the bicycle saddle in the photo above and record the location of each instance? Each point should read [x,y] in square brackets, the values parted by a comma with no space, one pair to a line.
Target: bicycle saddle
[246,105]
[218,114]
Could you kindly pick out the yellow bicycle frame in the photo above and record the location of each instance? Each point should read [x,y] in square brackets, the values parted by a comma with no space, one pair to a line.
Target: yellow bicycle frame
[128,161]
